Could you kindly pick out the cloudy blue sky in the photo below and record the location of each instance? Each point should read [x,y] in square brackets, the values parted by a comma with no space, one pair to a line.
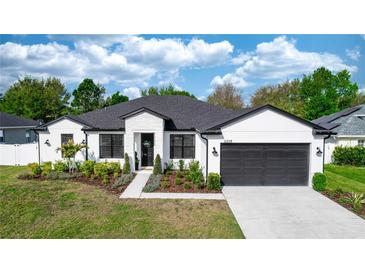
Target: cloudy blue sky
[192,62]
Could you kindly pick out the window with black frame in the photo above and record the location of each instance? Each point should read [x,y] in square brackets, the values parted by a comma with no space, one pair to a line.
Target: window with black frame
[111,145]
[182,146]
[65,138]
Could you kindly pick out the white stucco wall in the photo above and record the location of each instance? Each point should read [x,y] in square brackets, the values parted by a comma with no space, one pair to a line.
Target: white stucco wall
[199,149]
[143,122]
[53,134]
[267,126]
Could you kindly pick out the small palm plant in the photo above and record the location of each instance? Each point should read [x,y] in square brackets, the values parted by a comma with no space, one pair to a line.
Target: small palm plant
[69,151]
[356,200]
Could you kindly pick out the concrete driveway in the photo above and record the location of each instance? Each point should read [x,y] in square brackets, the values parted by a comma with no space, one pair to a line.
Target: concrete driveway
[291,213]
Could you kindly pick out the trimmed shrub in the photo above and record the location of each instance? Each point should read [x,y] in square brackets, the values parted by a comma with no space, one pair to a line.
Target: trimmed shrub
[178,181]
[67,176]
[195,173]
[124,179]
[35,168]
[214,181]
[53,175]
[153,183]
[181,165]
[101,170]
[165,184]
[319,181]
[127,165]
[46,168]
[187,186]
[354,156]
[169,165]
[157,169]
[114,168]
[87,168]
[60,166]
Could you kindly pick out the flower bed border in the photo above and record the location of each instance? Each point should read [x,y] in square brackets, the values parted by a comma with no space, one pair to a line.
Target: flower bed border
[80,178]
[173,188]
[336,197]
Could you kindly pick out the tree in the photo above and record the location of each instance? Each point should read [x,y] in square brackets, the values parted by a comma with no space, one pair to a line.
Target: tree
[88,96]
[324,93]
[284,96]
[359,100]
[116,98]
[227,96]
[36,99]
[168,90]
[157,169]
[69,151]
[126,166]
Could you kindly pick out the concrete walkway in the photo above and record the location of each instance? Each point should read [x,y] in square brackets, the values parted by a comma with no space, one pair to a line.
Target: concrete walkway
[199,196]
[134,189]
[291,213]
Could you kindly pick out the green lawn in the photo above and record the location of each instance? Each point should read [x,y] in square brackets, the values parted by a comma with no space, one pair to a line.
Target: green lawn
[58,209]
[347,178]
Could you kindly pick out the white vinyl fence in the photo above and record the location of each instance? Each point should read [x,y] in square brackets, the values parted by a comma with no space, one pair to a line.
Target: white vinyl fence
[18,155]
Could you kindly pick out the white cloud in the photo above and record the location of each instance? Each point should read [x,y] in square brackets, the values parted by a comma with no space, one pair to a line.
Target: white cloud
[241,58]
[125,60]
[132,92]
[279,59]
[173,53]
[354,53]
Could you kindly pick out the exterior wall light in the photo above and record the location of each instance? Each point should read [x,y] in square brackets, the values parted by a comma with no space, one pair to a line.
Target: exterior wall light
[319,151]
[83,142]
[214,152]
[47,142]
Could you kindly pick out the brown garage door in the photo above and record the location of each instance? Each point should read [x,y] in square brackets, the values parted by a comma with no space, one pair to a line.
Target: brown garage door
[264,164]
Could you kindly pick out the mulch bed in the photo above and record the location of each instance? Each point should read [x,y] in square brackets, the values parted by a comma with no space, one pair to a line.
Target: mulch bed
[79,178]
[98,183]
[337,197]
[171,177]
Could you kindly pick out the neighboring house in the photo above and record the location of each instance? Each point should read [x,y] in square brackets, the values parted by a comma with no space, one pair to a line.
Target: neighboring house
[257,146]
[16,130]
[18,144]
[348,126]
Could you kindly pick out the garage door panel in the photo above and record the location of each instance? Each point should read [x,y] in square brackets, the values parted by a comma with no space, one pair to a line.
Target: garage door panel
[264,164]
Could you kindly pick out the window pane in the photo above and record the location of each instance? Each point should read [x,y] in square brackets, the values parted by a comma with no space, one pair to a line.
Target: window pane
[189,152]
[117,146]
[176,152]
[66,137]
[176,140]
[105,146]
[189,140]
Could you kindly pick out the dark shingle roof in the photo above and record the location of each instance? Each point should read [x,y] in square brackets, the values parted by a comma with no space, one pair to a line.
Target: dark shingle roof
[179,112]
[184,112]
[350,121]
[10,120]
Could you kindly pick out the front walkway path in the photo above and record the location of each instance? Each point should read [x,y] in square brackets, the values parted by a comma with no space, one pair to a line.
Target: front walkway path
[134,189]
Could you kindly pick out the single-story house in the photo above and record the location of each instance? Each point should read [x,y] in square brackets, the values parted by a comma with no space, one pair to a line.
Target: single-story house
[348,127]
[255,146]
[16,130]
